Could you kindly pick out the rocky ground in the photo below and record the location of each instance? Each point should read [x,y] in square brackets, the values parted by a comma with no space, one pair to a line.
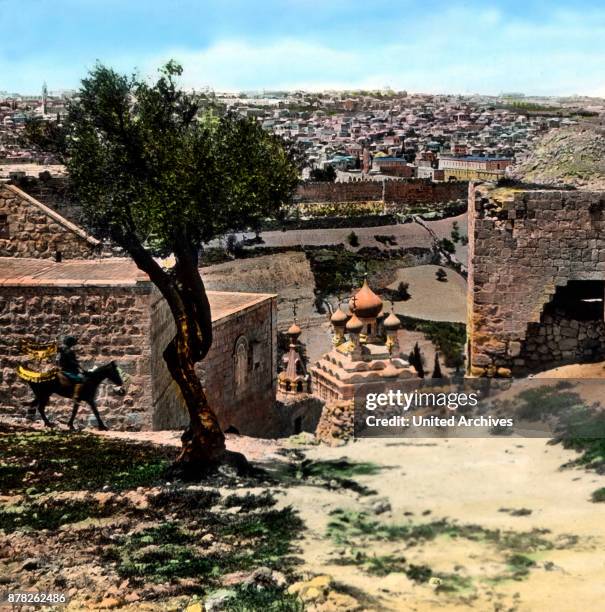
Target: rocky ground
[571,156]
[378,524]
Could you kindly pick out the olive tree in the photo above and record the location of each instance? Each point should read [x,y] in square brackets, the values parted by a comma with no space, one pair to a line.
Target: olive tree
[159,172]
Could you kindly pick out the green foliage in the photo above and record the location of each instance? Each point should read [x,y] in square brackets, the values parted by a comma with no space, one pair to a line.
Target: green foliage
[250,501]
[347,527]
[448,338]
[336,473]
[353,239]
[416,360]
[337,271]
[327,174]
[455,235]
[599,495]
[52,514]
[534,404]
[168,551]
[447,245]
[146,160]
[386,240]
[519,566]
[39,461]
[339,468]
[249,598]
[358,530]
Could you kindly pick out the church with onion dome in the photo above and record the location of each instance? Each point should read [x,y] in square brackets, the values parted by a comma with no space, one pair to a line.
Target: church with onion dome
[365,349]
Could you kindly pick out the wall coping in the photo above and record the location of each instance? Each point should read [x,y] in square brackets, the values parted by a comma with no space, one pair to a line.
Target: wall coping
[53,214]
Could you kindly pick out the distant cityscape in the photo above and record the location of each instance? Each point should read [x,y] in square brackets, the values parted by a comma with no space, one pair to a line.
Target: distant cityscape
[363,133]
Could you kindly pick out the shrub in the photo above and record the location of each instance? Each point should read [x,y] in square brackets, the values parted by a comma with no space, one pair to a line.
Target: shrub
[441,275]
[353,239]
[447,245]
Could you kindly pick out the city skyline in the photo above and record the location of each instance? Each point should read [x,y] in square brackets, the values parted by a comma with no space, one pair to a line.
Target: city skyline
[469,47]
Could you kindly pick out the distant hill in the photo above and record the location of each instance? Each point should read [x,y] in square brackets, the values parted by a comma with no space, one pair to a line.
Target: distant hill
[569,156]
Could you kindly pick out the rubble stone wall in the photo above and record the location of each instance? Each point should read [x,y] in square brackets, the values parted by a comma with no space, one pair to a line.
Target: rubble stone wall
[111,323]
[54,192]
[558,340]
[523,244]
[28,230]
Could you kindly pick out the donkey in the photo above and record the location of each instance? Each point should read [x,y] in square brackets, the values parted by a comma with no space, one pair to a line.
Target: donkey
[61,385]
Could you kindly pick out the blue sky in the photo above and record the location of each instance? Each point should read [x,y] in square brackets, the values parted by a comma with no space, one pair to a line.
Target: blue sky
[541,47]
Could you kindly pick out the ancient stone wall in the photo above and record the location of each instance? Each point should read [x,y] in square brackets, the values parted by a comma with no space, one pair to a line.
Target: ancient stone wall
[111,323]
[523,244]
[238,372]
[28,228]
[557,340]
[398,193]
[54,192]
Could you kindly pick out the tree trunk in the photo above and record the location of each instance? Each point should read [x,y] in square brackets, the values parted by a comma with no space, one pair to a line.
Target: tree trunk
[203,442]
[183,289]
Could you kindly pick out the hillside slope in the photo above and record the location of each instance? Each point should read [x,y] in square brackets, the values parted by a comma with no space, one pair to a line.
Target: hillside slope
[572,156]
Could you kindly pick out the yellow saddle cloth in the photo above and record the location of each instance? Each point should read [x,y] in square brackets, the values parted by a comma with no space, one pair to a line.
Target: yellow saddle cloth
[35,377]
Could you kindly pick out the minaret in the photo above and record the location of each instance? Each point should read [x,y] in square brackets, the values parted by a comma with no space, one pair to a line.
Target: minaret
[44,97]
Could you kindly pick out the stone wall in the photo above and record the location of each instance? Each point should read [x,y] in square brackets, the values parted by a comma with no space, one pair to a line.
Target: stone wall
[248,406]
[132,325]
[111,323]
[398,193]
[28,228]
[54,192]
[523,244]
[558,340]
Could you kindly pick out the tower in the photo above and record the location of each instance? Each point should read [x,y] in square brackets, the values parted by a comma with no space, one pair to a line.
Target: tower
[294,378]
[44,97]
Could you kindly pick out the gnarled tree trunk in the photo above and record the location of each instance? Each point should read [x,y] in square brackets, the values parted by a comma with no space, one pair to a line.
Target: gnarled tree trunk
[183,289]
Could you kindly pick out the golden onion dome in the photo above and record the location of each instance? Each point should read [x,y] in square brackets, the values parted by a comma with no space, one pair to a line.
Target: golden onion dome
[339,317]
[354,324]
[365,303]
[392,322]
[294,330]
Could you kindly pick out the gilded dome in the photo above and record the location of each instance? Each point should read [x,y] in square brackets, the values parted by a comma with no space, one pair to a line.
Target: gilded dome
[392,322]
[339,317]
[354,324]
[294,330]
[365,303]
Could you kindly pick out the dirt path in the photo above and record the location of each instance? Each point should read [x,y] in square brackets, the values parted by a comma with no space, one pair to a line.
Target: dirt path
[508,486]
[468,482]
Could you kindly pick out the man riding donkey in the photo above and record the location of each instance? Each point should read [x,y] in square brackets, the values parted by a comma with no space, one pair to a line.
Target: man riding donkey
[71,381]
[69,365]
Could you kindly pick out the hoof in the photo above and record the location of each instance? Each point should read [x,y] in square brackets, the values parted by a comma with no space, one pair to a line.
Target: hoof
[103,427]
[49,424]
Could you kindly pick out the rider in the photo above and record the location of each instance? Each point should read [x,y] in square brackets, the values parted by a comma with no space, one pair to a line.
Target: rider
[70,366]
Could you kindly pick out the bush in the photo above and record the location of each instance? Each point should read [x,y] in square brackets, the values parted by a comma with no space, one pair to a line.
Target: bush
[402,291]
[353,239]
[441,275]
[324,175]
[599,495]
[455,232]
[447,245]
